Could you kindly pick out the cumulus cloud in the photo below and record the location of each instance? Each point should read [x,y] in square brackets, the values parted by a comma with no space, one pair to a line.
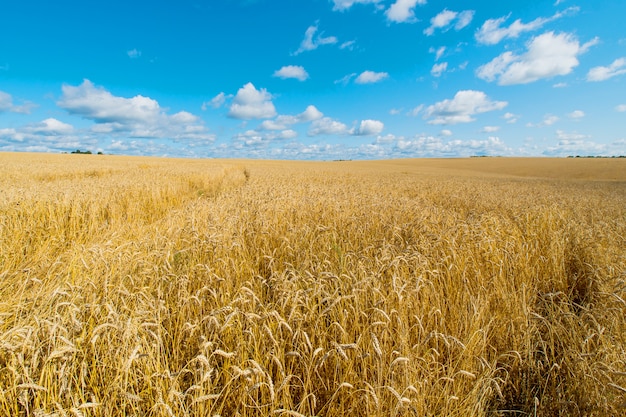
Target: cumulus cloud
[445,18]
[439,69]
[618,67]
[576,144]
[138,116]
[548,55]
[49,135]
[96,103]
[576,114]
[327,126]
[250,103]
[492,32]
[511,118]
[7,105]
[445,132]
[342,5]
[402,10]
[369,128]
[431,146]
[370,77]
[621,108]
[292,71]
[461,108]
[50,126]
[311,41]
[310,114]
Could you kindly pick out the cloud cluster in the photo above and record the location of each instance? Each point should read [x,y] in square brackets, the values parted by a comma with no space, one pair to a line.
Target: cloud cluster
[444,20]
[462,108]
[492,32]
[547,56]
[292,71]
[7,105]
[329,126]
[371,77]
[438,147]
[250,103]
[312,42]
[342,5]
[138,116]
[403,10]
[600,73]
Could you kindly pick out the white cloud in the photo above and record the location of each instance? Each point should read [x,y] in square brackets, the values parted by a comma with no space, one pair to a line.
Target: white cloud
[560,85]
[311,42]
[573,144]
[95,103]
[327,126]
[571,136]
[216,102]
[430,146]
[138,116]
[345,80]
[7,105]
[465,18]
[439,69]
[576,114]
[492,32]
[511,118]
[133,53]
[461,108]
[446,132]
[250,103]
[342,5]
[6,101]
[438,52]
[441,20]
[445,19]
[548,55]
[292,71]
[490,129]
[402,10]
[348,45]
[369,128]
[618,67]
[50,126]
[548,120]
[416,110]
[310,114]
[370,77]
[621,108]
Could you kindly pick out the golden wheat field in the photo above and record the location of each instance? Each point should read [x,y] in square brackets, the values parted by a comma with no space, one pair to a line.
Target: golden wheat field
[163,287]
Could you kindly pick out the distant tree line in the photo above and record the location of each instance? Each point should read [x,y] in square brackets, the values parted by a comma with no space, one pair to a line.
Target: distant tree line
[79,152]
[591,156]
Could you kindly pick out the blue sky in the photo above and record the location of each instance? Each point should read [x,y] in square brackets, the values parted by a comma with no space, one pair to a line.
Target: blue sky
[314,79]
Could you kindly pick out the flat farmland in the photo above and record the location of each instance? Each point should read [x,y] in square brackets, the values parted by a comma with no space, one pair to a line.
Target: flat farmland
[424,287]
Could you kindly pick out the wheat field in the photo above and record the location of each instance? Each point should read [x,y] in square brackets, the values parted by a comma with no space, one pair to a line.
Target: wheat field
[164,287]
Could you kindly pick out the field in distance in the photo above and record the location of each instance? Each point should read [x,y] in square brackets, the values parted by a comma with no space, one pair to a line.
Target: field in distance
[425,287]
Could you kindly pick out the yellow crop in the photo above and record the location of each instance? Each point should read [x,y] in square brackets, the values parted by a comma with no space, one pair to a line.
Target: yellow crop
[168,287]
